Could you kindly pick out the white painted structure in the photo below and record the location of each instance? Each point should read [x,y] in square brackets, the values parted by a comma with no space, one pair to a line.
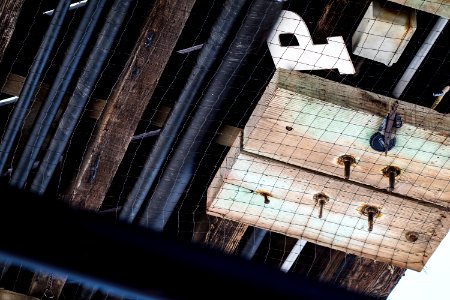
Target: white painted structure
[307,55]
[382,34]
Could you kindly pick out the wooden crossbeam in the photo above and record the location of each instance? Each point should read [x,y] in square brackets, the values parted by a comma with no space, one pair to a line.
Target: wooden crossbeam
[436,7]
[124,109]
[46,285]
[289,153]
[9,12]
[340,18]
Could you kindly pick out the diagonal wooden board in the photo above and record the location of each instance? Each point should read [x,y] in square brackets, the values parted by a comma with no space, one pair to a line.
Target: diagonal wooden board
[322,128]
[293,211]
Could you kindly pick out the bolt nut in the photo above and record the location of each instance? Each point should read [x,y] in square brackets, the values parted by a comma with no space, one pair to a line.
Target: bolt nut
[411,236]
[371,209]
[321,197]
[387,170]
[343,158]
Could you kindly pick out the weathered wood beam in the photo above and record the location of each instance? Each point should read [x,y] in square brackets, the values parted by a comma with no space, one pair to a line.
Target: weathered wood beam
[358,274]
[436,7]
[46,286]
[124,109]
[9,12]
[340,18]
[219,233]
[376,279]
[10,295]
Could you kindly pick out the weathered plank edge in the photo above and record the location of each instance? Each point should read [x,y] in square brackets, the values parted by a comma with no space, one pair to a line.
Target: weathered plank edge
[358,99]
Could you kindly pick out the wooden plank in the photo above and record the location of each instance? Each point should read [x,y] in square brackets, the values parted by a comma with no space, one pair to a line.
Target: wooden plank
[373,278]
[227,135]
[358,99]
[224,235]
[10,295]
[46,285]
[225,167]
[340,18]
[293,211]
[369,277]
[9,12]
[124,109]
[305,130]
[436,7]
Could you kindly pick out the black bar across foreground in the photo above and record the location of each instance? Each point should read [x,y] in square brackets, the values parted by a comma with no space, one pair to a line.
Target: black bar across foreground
[130,260]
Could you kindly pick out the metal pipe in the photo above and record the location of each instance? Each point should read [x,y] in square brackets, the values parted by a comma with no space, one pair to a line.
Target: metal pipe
[164,143]
[253,243]
[439,96]
[293,255]
[9,100]
[80,96]
[58,90]
[112,256]
[31,82]
[71,7]
[419,57]
[258,22]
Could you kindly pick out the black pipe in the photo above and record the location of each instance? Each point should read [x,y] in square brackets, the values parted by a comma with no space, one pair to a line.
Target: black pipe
[259,20]
[31,82]
[219,33]
[253,243]
[57,92]
[80,96]
[135,262]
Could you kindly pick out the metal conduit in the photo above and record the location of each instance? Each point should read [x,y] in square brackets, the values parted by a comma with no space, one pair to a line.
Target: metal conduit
[31,82]
[253,243]
[80,96]
[259,20]
[169,133]
[419,57]
[59,88]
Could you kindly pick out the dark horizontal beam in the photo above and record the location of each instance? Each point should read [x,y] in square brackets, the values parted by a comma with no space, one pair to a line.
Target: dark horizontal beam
[125,258]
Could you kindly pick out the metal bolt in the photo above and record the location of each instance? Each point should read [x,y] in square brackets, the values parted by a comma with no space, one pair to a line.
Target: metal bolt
[371,212]
[265,195]
[411,236]
[321,199]
[391,172]
[347,161]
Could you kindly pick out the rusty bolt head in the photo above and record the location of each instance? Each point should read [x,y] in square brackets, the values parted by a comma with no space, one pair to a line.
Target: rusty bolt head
[389,169]
[321,198]
[411,236]
[346,158]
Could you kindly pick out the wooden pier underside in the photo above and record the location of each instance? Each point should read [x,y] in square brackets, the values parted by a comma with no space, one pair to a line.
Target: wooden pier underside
[289,152]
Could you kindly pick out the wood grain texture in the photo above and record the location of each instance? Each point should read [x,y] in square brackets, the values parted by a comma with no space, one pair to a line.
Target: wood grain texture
[359,274]
[351,97]
[370,277]
[124,109]
[224,234]
[46,285]
[339,18]
[293,211]
[9,12]
[436,7]
[324,120]
[10,295]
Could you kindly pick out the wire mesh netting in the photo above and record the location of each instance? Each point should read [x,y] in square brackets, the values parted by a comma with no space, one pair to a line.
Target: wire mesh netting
[309,136]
